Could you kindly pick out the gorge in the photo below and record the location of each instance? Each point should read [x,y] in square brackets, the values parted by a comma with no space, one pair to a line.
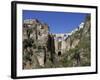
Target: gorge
[42,49]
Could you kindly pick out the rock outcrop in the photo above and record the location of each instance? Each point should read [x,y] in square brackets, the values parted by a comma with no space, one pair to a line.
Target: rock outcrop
[37,44]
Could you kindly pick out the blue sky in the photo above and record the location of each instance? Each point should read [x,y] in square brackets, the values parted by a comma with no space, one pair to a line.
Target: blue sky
[59,22]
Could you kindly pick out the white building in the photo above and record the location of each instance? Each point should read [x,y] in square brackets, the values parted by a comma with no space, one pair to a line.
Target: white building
[81,25]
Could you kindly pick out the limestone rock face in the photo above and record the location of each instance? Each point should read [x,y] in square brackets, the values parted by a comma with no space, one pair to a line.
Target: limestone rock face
[78,46]
[35,43]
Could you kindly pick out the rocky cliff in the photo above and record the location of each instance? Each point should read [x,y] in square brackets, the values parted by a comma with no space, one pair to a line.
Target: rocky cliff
[37,44]
[78,46]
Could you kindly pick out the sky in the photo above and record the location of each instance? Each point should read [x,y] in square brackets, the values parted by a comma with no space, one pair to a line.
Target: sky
[58,22]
